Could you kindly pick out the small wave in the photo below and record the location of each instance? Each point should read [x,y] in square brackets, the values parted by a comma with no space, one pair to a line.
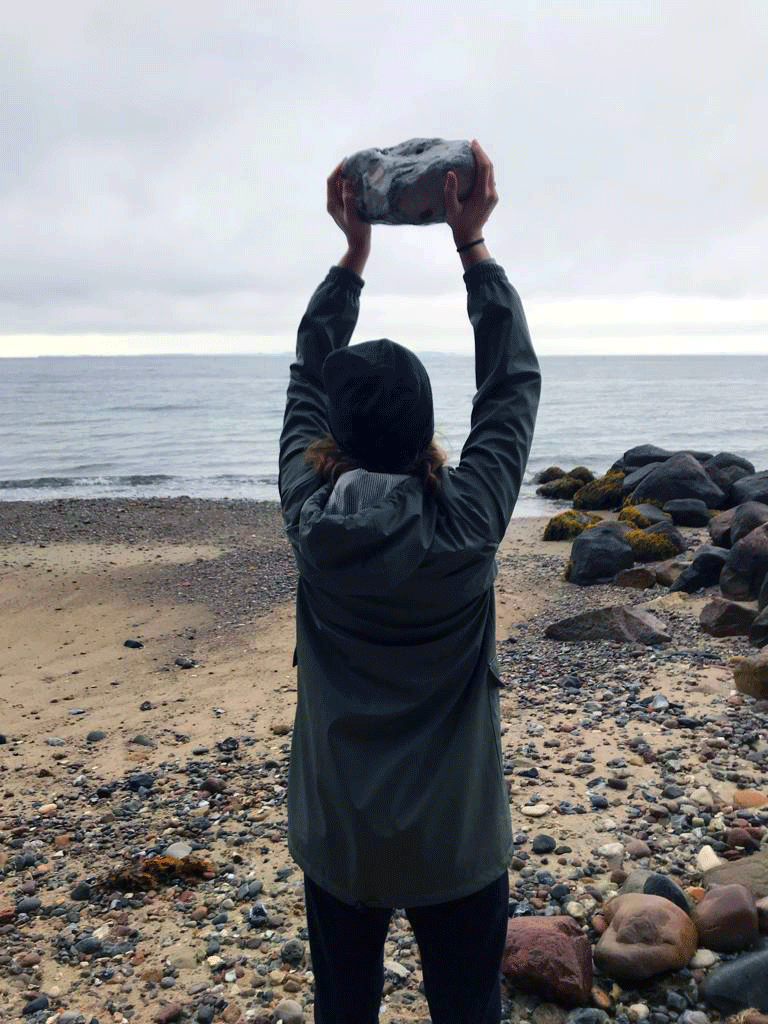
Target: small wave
[59,482]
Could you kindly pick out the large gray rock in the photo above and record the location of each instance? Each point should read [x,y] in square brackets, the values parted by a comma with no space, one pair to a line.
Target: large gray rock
[738,985]
[404,184]
[681,476]
[623,624]
[758,633]
[746,517]
[720,528]
[746,566]
[643,454]
[704,570]
[687,512]
[599,553]
[727,618]
[752,488]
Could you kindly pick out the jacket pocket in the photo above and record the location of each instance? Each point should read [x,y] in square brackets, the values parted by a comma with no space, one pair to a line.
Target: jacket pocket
[494,676]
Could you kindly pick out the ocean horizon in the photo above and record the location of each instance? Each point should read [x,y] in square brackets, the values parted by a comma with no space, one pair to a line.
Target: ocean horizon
[208,425]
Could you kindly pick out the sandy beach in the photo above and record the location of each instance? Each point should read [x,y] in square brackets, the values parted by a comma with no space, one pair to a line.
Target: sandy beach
[111,753]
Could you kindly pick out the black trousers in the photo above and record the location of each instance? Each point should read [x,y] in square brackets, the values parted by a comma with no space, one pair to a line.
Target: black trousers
[461,945]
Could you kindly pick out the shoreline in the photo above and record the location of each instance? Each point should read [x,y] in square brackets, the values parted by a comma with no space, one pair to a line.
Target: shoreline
[210,585]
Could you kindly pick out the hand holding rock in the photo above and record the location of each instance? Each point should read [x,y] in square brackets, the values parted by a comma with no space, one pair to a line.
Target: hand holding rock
[466,219]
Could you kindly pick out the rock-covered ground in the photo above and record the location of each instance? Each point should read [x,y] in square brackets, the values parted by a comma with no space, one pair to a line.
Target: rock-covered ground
[617,756]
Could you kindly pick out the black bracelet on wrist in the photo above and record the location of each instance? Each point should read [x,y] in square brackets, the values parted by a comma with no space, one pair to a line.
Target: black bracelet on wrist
[470,244]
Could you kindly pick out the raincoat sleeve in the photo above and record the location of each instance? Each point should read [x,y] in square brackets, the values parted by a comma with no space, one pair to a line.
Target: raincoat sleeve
[488,478]
[327,324]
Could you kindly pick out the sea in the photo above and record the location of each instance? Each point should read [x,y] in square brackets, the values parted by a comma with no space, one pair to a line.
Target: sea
[208,426]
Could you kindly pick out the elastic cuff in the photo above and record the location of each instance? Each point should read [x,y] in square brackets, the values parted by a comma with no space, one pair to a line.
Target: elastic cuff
[487,270]
[346,276]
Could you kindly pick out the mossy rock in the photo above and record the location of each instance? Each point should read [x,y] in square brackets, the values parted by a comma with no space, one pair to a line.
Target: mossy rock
[549,474]
[650,547]
[605,492]
[564,487]
[629,514]
[569,524]
[583,474]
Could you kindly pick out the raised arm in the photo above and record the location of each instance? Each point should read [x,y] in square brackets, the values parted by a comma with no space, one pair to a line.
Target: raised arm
[507,376]
[327,324]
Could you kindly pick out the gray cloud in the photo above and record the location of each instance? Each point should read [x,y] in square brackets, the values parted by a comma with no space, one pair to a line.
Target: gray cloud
[164,165]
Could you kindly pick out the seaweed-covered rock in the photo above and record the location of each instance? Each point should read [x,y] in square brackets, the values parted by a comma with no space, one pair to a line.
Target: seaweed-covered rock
[746,517]
[650,547]
[629,514]
[563,487]
[598,554]
[603,493]
[583,474]
[746,566]
[670,531]
[569,524]
[681,476]
[652,513]
[687,512]
[549,474]
[720,528]
[726,618]
[752,488]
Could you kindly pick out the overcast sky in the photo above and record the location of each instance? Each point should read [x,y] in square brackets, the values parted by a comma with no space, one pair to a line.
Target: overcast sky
[164,165]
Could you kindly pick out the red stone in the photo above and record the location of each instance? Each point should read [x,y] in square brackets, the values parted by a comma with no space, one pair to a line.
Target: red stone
[549,956]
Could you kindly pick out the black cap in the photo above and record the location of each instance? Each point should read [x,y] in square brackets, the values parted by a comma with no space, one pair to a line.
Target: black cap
[379,404]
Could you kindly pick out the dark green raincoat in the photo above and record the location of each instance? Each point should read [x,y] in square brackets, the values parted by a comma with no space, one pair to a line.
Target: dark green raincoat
[396,790]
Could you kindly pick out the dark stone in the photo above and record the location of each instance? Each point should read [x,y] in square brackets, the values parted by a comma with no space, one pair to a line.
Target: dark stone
[186,662]
[738,985]
[687,512]
[135,645]
[631,480]
[653,514]
[752,488]
[643,454]
[747,517]
[543,843]
[746,566]
[28,905]
[689,581]
[726,618]
[89,945]
[39,1003]
[681,476]
[720,528]
[724,460]
[404,184]
[617,623]
[598,554]
[141,781]
[549,474]
[81,892]
[659,885]
[708,561]
[762,597]
[758,633]
[95,735]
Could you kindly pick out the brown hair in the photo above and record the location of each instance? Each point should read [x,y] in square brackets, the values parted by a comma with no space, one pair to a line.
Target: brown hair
[329,462]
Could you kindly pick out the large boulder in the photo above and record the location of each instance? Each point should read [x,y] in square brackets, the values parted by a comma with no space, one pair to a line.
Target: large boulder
[618,623]
[642,454]
[549,956]
[752,488]
[720,528]
[633,478]
[653,514]
[726,919]
[704,571]
[726,460]
[598,554]
[569,524]
[727,618]
[603,493]
[404,184]
[652,544]
[681,476]
[751,872]
[564,488]
[646,936]
[762,597]
[746,566]
[758,632]
[750,676]
[738,985]
[549,474]
[746,518]
[687,512]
